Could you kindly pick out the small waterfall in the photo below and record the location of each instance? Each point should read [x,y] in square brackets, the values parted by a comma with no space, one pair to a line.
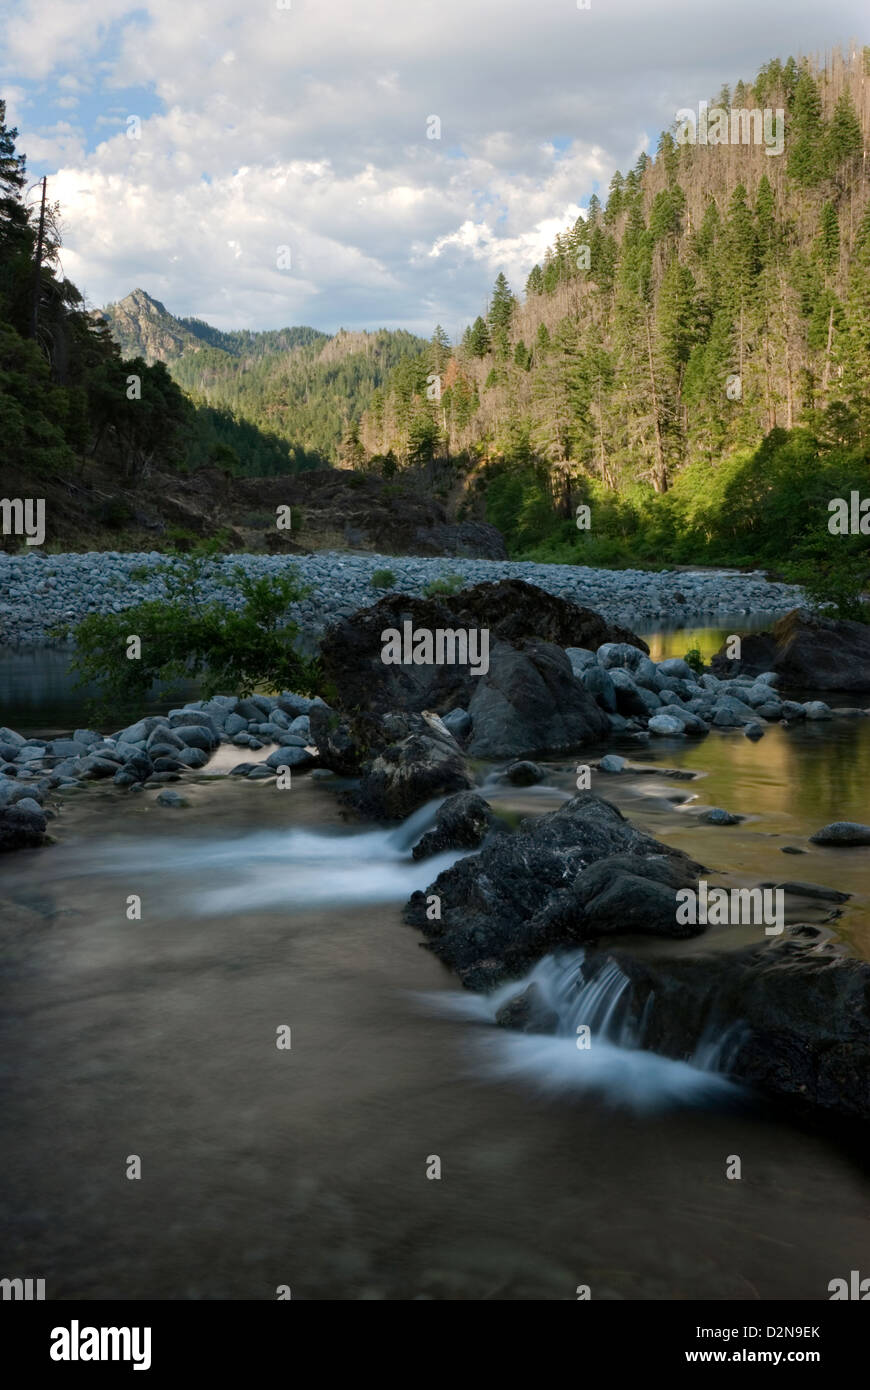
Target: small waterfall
[614,1064]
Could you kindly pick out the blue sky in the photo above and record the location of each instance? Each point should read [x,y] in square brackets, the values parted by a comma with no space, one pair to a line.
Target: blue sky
[264,126]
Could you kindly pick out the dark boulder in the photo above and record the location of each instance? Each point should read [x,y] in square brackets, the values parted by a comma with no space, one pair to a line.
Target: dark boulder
[528,1012]
[424,763]
[524,774]
[21,827]
[842,832]
[807,650]
[526,894]
[510,611]
[463,822]
[338,744]
[800,1007]
[529,703]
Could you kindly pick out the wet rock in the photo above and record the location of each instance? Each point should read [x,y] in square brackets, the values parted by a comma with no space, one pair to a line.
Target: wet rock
[525,894]
[463,822]
[298,758]
[597,682]
[797,1007]
[340,746]
[817,709]
[528,1012]
[665,725]
[423,763]
[842,832]
[632,699]
[458,721]
[22,826]
[581,658]
[718,816]
[171,798]
[812,890]
[612,762]
[524,773]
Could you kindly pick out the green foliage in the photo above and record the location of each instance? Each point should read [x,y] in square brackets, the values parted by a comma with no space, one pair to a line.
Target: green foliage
[767,505]
[838,586]
[446,584]
[383,579]
[695,660]
[184,635]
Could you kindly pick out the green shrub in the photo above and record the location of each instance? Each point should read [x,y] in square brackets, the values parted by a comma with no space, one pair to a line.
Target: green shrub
[447,584]
[383,579]
[186,636]
[694,659]
[836,589]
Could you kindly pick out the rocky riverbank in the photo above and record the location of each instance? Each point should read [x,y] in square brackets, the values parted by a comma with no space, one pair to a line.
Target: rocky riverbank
[39,591]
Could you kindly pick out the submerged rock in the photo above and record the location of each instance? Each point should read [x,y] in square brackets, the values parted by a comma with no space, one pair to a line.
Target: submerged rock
[842,832]
[524,773]
[717,815]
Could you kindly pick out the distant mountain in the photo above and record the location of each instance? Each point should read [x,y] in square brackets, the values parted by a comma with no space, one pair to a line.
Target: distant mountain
[143,327]
[307,387]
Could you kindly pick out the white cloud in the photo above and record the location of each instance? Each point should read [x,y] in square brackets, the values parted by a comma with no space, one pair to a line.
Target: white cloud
[307,127]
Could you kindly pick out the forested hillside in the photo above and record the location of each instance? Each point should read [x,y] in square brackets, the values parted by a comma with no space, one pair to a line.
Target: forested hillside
[71,405]
[719,295]
[299,384]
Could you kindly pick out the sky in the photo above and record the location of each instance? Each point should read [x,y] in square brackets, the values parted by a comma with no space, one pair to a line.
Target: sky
[356,163]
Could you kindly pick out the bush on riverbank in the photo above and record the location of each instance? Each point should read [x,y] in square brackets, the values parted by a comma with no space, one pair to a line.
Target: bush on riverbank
[185,636]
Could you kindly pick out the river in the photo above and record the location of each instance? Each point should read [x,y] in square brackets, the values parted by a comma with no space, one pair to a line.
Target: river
[307,1166]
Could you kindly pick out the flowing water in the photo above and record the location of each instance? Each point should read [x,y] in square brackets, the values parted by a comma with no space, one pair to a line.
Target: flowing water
[307,1165]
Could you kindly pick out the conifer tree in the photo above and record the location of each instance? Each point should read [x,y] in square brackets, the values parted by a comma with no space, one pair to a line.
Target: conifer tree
[806,163]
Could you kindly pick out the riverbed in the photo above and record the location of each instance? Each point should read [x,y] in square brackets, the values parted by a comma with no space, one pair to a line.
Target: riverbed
[307,1166]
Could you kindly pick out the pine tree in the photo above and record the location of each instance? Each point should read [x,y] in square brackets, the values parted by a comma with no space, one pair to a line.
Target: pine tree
[439,350]
[806,148]
[614,199]
[828,239]
[561,395]
[765,220]
[844,138]
[478,338]
[535,282]
[16,236]
[854,354]
[675,315]
[501,311]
